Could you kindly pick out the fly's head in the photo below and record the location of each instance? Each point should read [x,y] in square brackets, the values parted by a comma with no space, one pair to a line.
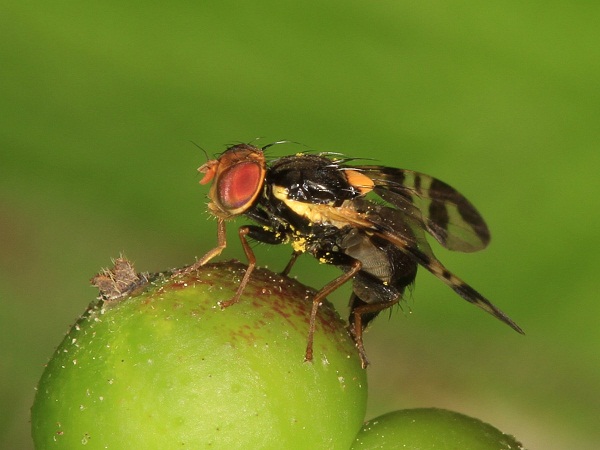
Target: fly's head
[237,177]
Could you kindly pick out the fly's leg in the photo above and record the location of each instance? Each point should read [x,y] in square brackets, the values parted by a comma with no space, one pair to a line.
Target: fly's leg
[356,327]
[243,232]
[260,234]
[221,244]
[285,272]
[318,298]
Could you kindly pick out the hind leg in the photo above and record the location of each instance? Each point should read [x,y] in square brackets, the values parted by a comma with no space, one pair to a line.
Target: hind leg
[361,313]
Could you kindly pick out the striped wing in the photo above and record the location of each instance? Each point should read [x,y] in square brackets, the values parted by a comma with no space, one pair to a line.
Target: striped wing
[404,230]
[438,207]
[407,235]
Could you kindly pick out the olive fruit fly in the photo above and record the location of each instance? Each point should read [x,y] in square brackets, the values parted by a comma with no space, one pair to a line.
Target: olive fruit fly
[317,203]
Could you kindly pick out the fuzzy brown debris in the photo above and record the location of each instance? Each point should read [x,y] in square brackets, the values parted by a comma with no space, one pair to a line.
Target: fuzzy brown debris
[119,281]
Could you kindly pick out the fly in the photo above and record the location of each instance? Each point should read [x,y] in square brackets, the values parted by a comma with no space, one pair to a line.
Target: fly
[317,203]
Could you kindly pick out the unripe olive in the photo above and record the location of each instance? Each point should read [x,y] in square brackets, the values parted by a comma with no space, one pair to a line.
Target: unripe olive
[431,428]
[160,365]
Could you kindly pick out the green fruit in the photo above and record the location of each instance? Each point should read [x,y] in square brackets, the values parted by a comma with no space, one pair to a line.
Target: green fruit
[431,428]
[168,368]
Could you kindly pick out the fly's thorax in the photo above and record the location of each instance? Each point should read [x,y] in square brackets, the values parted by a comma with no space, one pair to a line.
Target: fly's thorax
[317,179]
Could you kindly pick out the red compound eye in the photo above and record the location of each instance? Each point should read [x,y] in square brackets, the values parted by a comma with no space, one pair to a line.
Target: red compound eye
[239,185]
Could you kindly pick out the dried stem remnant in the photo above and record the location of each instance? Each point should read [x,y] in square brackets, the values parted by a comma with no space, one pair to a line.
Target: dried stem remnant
[120,281]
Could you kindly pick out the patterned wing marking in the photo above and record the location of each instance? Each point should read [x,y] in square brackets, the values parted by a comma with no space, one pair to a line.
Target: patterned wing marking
[407,235]
[448,216]
[404,231]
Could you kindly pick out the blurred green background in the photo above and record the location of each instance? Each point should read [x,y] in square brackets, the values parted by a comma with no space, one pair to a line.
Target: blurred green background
[99,102]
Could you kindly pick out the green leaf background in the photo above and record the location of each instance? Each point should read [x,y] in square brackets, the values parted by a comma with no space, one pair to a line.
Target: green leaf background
[99,102]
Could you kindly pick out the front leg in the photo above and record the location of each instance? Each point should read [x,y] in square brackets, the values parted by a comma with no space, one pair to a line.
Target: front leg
[221,244]
[243,232]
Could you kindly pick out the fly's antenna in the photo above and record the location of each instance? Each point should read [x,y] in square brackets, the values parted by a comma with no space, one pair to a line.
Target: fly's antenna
[203,151]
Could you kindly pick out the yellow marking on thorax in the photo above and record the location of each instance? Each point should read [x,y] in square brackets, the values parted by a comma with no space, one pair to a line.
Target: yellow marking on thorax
[337,216]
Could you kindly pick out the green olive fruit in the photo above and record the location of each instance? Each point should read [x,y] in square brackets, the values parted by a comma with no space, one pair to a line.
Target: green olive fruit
[160,365]
[431,428]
